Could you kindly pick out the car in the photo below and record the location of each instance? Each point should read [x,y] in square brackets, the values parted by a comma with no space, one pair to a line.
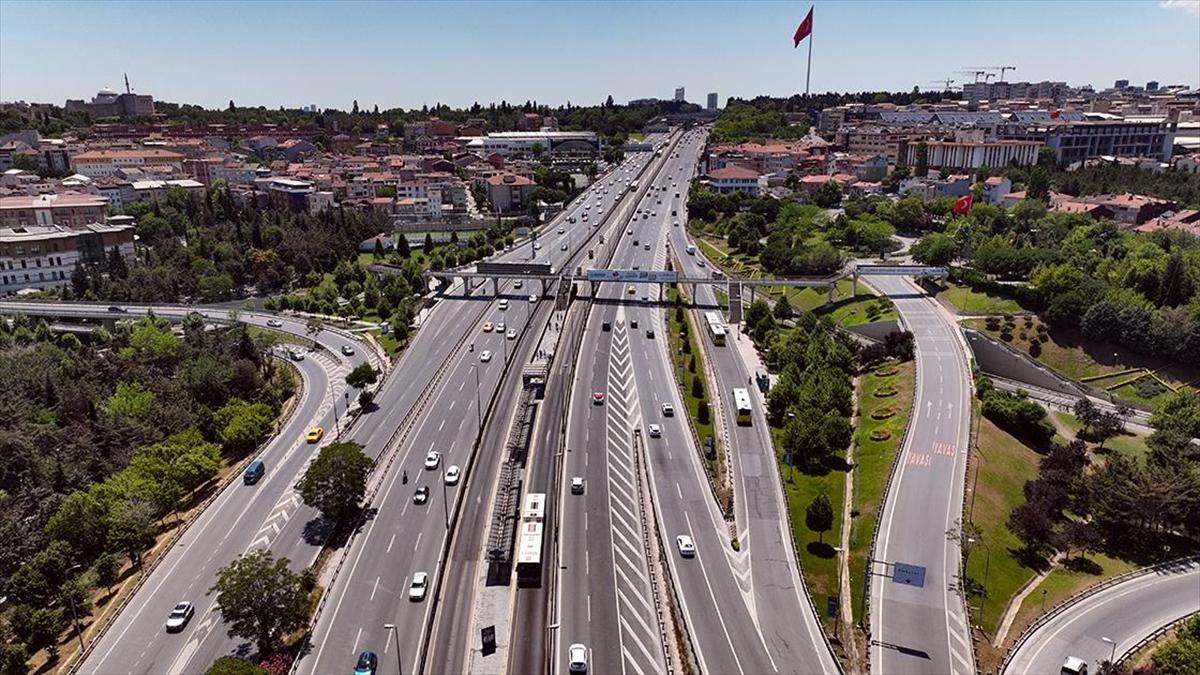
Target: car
[655,431]
[650,333]
[668,410]
[1073,665]
[676,223]
[532,299]
[631,290]
[453,474]
[687,548]
[296,354]
[114,308]
[179,617]
[537,246]
[700,262]
[633,323]
[577,658]
[629,231]
[511,334]
[254,472]
[562,230]
[416,587]
[503,304]
[597,397]
[348,350]
[421,495]
[314,434]
[485,356]
[646,247]
[367,664]
[577,485]
[433,459]
[518,283]
[487,326]
[274,323]
[563,247]
[499,326]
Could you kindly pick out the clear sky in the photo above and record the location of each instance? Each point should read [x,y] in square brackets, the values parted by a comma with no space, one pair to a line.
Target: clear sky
[407,53]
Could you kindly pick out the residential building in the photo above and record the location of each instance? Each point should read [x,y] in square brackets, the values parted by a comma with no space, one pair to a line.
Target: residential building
[737,179]
[679,96]
[95,163]
[45,255]
[1098,135]
[510,143]
[712,101]
[286,193]
[67,209]
[995,188]
[973,154]
[1131,209]
[509,192]
[956,185]
[868,167]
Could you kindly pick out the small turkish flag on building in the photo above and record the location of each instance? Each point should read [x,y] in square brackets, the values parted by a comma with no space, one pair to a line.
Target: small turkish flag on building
[803,30]
[1055,115]
[963,205]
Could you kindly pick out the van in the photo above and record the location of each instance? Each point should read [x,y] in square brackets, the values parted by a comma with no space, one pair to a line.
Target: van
[254,472]
[691,249]
[503,304]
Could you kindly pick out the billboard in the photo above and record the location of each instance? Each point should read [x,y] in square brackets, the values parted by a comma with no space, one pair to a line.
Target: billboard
[513,268]
[635,276]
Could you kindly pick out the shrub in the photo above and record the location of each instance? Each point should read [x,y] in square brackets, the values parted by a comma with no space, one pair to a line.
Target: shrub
[1035,349]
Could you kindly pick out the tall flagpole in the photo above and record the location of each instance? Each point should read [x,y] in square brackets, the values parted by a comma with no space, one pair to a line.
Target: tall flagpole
[808,74]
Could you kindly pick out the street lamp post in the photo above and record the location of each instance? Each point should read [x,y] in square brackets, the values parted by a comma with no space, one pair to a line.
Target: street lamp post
[1113,653]
[478,401]
[396,634]
[74,615]
[336,424]
[445,500]
[987,564]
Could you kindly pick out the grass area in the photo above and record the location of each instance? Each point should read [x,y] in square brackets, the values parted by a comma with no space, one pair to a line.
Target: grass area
[854,311]
[1131,444]
[722,298]
[685,352]
[1101,366]
[873,458]
[1003,465]
[818,561]
[969,301]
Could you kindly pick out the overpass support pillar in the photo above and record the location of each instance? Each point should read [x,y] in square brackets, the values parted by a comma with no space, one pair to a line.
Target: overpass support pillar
[854,288]
[829,296]
[495,286]
[595,289]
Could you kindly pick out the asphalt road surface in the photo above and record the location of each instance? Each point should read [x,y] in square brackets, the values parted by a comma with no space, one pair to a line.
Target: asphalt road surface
[924,629]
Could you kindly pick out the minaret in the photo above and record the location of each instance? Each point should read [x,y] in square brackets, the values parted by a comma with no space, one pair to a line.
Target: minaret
[127,89]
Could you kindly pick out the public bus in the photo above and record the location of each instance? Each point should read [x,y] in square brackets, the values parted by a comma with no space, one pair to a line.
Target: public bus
[530,544]
[716,327]
[633,186]
[741,405]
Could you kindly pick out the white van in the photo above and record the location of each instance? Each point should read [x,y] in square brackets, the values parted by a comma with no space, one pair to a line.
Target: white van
[691,249]
[504,303]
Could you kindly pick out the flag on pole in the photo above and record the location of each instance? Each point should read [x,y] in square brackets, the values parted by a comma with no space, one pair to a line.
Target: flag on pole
[803,30]
[963,205]
[1056,114]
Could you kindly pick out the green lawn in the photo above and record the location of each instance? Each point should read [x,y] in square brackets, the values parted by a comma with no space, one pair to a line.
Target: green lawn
[969,301]
[1128,443]
[873,459]
[1006,465]
[864,308]
[818,563]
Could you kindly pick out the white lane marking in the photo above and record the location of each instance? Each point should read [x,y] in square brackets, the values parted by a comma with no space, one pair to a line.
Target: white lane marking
[390,542]
[374,588]
[417,544]
[356,639]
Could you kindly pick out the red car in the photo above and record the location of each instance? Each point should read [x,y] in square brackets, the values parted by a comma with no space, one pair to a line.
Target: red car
[598,398]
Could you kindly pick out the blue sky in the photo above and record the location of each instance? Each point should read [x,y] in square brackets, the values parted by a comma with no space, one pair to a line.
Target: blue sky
[407,54]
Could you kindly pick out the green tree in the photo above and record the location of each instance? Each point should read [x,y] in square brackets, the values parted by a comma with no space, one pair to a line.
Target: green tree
[242,426]
[261,599]
[1181,657]
[37,627]
[829,194]
[80,521]
[13,657]
[818,517]
[336,481]
[107,569]
[402,248]
[935,248]
[428,246]
[783,308]
[232,665]
[922,168]
[131,528]
[362,375]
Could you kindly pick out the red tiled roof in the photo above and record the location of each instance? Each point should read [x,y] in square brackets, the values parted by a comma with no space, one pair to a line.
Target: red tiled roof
[733,172]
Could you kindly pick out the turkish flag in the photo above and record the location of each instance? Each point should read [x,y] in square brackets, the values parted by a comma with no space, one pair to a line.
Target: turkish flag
[803,30]
[963,205]
[1055,115]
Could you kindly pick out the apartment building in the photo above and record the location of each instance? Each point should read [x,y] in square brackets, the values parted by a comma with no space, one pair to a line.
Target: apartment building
[973,154]
[93,163]
[737,179]
[509,192]
[1098,135]
[67,209]
[45,256]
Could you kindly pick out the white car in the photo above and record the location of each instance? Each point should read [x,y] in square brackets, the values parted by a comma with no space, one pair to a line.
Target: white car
[577,658]
[296,355]
[577,485]
[453,474]
[179,617]
[700,262]
[668,410]
[655,431]
[562,230]
[537,246]
[629,231]
[532,299]
[499,326]
[348,350]
[433,459]
[485,356]
[416,587]
[685,545]
[511,334]
[518,283]
[274,323]
[563,247]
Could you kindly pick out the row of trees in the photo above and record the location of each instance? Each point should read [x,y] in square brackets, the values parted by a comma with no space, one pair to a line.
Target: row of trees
[104,439]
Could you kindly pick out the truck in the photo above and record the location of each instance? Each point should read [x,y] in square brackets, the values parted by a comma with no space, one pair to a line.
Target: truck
[691,249]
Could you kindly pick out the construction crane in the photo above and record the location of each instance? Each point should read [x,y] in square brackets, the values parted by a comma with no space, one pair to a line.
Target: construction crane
[977,73]
[1002,69]
[945,83]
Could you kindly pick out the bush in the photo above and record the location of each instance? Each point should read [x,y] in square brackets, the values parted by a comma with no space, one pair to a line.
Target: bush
[992,323]
[1020,416]
[1035,349]
[702,413]
[697,387]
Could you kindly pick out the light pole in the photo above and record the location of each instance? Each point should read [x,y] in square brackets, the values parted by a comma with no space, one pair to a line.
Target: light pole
[336,424]
[478,406]
[396,634]
[445,499]
[987,564]
[74,615]
[1112,654]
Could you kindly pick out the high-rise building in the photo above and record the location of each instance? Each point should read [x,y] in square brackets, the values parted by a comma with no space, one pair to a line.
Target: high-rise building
[679,94]
[1121,84]
[712,100]
[1152,85]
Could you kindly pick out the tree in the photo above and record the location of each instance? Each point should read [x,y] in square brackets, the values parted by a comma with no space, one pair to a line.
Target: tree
[428,246]
[12,659]
[362,375]
[79,521]
[314,326]
[697,387]
[232,665]
[935,248]
[1106,427]
[131,528]
[702,412]
[37,627]
[1079,536]
[922,168]
[402,249]
[1088,414]
[1032,523]
[1181,657]
[261,599]
[829,194]
[818,517]
[783,308]
[107,569]
[336,481]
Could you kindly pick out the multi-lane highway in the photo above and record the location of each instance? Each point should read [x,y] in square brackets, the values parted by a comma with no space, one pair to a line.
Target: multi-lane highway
[403,538]
[924,628]
[1124,612]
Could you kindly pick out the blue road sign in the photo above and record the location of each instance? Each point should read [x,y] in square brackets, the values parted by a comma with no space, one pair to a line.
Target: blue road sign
[910,575]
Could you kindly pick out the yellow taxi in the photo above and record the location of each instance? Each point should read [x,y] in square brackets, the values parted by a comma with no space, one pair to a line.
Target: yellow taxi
[631,290]
[314,434]
[487,327]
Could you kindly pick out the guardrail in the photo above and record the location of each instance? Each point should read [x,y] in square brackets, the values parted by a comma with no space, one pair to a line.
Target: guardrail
[1161,631]
[1081,595]
[649,531]
[199,510]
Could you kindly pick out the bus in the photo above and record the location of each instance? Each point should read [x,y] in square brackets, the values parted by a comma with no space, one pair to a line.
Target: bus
[716,327]
[741,404]
[530,544]
[633,186]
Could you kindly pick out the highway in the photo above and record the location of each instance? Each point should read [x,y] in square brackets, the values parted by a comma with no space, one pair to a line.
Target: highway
[924,628]
[403,538]
[745,610]
[1124,612]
